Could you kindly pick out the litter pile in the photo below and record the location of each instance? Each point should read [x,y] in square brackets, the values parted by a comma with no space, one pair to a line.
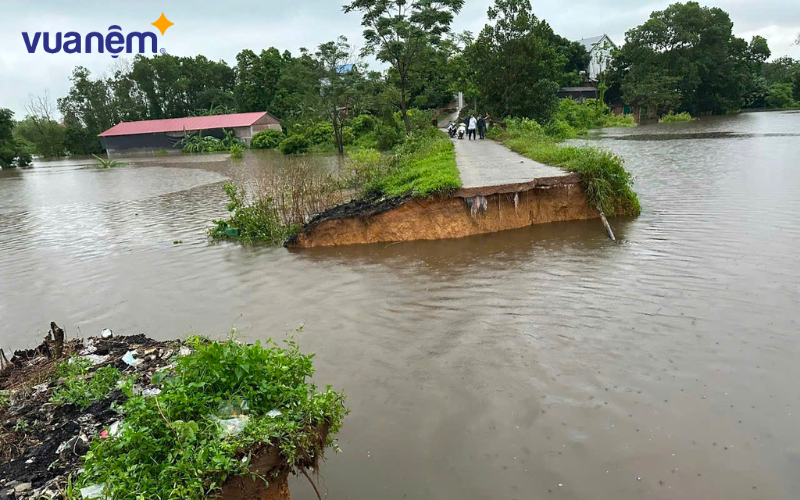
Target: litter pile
[41,441]
[130,417]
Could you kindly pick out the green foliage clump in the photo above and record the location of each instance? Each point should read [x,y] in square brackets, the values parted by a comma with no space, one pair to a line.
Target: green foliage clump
[673,117]
[78,388]
[14,151]
[320,133]
[386,136]
[363,124]
[607,183]
[171,446]
[237,151]
[4,395]
[161,152]
[574,119]
[294,144]
[780,96]
[368,164]
[267,139]
[425,165]
[250,221]
[103,163]
[197,143]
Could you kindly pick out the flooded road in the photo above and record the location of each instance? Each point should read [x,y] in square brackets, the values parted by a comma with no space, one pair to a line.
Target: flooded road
[545,362]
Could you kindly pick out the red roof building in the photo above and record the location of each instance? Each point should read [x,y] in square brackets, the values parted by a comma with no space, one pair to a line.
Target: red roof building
[149,136]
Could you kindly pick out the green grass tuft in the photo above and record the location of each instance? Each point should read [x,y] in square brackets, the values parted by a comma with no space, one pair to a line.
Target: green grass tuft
[425,165]
[79,388]
[608,185]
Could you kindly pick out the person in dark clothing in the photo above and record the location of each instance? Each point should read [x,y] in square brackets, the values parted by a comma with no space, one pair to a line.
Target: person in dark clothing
[481,127]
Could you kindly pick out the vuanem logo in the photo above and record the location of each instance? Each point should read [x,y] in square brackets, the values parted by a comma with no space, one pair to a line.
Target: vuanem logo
[114,42]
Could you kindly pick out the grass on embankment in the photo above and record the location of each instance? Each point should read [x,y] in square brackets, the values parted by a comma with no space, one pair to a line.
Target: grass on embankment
[425,164]
[608,185]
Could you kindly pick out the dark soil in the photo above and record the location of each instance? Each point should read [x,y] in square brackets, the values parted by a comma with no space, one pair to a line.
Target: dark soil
[363,207]
[42,443]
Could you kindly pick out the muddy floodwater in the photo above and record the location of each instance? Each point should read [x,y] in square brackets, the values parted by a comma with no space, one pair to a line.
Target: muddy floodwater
[545,362]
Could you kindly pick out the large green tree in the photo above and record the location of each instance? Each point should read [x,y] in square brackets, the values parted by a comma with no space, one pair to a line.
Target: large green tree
[257,79]
[336,62]
[401,32]
[576,60]
[40,127]
[516,63]
[13,151]
[689,54]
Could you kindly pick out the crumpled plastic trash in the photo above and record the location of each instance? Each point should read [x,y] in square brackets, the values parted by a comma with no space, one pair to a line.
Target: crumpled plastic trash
[107,333]
[151,392]
[93,491]
[131,360]
[114,428]
[184,351]
[89,349]
[274,413]
[231,426]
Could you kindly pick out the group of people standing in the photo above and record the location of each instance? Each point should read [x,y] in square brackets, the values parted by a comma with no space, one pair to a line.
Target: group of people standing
[479,125]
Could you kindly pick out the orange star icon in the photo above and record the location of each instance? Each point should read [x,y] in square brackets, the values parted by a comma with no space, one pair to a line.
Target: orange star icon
[162,23]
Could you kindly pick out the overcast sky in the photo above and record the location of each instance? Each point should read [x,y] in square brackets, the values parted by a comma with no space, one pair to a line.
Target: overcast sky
[219,30]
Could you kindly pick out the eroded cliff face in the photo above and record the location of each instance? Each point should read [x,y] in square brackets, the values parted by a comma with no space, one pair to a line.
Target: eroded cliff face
[464,214]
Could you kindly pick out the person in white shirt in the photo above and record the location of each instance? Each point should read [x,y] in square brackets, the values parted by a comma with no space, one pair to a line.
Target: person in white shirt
[473,124]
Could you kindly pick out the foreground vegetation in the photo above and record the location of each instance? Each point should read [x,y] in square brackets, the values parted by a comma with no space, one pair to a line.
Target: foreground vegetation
[607,183]
[218,406]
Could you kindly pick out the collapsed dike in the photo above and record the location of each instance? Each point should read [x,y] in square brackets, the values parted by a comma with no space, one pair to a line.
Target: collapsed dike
[466,212]
[43,444]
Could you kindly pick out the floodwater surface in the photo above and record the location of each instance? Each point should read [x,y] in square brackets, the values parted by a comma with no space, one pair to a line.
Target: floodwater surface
[546,362]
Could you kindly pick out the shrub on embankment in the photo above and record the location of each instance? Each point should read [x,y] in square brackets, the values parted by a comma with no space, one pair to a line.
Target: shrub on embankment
[608,185]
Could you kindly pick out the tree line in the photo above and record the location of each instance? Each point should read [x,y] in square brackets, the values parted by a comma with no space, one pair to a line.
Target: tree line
[684,58]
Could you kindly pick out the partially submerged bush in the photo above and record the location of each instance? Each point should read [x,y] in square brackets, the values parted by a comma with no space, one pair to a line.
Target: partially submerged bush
[175,445]
[267,139]
[608,184]
[103,163]
[294,144]
[195,142]
[250,220]
[672,117]
[574,119]
[237,151]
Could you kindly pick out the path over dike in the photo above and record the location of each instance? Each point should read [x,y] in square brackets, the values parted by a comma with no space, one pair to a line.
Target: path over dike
[500,190]
[487,163]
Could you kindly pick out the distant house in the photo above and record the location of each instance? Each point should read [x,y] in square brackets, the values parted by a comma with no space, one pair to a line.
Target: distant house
[149,136]
[599,49]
